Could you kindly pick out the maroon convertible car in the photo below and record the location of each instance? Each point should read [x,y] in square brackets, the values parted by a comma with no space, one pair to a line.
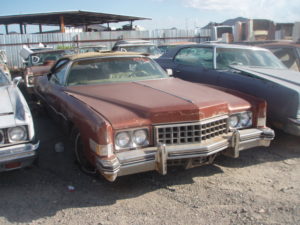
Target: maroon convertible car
[127,116]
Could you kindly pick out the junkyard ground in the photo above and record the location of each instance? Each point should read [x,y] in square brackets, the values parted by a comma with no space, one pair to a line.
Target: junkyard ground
[260,187]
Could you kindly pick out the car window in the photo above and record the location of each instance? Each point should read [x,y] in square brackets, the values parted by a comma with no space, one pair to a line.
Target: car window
[58,77]
[37,59]
[112,70]
[195,57]
[225,57]
[287,56]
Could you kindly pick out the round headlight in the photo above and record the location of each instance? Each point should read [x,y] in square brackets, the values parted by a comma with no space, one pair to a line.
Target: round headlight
[246,119]
[122,139]
[16,134]
[140,137]
[234,121]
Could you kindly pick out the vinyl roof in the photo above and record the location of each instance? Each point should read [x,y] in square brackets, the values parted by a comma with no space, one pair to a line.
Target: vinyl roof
[101,54]
[71,18]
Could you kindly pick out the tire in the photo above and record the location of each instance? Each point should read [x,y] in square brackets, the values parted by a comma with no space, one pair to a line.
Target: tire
[80,157]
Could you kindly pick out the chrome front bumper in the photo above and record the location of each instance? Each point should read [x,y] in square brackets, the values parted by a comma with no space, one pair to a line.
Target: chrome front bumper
[156,158]
[18,153]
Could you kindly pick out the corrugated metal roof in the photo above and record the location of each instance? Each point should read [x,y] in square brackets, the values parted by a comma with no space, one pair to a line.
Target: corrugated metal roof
[71,18]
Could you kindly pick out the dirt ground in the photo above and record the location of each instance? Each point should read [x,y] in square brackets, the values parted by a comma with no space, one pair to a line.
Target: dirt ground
[260,187]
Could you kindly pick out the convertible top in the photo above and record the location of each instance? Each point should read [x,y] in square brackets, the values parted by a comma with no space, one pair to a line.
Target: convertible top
[101,54]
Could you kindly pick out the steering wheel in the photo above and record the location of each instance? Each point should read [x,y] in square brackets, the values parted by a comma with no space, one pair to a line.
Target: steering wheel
[139,73]
[236,63]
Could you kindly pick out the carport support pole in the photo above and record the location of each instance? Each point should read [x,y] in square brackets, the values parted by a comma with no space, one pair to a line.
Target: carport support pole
[21,28]
[25,28]
[6,28]
[40,27]
[62,24]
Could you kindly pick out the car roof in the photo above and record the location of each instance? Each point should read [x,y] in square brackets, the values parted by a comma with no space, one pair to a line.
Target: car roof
[101,54]
[290,44]
[50,51]
[174,50]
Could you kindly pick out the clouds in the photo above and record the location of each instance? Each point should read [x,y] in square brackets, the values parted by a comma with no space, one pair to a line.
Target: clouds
[277,10]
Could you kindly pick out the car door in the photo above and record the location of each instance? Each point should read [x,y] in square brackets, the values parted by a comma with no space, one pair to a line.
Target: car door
[54,89]
[195,64]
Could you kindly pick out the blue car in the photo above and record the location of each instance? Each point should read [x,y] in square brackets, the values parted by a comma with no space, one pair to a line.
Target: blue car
[252,70]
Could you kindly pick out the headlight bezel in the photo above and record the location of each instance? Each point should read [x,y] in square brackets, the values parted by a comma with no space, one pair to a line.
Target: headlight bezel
[240,124]
[132,141]
[23,138]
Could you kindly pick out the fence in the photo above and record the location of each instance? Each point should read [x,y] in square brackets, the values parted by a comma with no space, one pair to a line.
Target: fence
[13,43]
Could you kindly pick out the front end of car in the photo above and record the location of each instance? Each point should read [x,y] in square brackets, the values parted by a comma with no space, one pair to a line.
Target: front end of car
[18,147]
[188,144]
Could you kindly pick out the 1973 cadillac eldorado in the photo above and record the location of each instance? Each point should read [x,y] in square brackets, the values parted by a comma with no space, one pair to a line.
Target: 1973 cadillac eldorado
[127,116]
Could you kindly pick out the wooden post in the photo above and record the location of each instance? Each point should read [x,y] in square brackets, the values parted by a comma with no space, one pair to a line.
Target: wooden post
[6,28]
[40,27]
[62,24]
[21,28]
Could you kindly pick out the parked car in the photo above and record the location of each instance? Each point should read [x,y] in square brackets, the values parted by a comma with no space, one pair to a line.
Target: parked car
[91,48]
[18,147]
[140,46]
[166,46]
[287,52]
[255,71]
[127,116]
[40,63]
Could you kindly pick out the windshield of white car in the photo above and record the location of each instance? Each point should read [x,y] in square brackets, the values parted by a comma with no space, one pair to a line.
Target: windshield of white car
[40,58]
[3,79]
[113,70]
[247,57]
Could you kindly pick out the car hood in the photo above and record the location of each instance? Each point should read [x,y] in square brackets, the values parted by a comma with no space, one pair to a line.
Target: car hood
[281,76]
[156,101]
[9,101]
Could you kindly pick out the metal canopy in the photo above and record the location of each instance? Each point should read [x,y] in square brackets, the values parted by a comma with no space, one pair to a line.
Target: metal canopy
[70,18]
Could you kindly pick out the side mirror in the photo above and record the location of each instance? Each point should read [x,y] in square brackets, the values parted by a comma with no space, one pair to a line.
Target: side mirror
[16,81]
[169,72]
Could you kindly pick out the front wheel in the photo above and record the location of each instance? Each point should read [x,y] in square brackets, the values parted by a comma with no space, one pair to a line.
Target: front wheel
[80,156]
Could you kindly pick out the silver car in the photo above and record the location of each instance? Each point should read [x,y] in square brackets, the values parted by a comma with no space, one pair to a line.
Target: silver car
[18,147]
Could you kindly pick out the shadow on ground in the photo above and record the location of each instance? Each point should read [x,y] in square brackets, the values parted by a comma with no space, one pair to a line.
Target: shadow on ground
[42,191]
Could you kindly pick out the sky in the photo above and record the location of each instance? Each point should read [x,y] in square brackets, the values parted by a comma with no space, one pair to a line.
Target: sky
[164,14]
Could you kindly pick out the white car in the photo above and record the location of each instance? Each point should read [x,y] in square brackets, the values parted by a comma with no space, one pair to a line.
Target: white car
[18,147]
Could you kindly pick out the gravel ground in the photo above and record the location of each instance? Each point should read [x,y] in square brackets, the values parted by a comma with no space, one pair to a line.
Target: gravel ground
[260,187]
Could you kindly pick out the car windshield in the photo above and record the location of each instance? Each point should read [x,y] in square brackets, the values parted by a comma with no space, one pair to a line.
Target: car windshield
[112,70]
[40,58]
[150,49]
[246,57]
[3,79]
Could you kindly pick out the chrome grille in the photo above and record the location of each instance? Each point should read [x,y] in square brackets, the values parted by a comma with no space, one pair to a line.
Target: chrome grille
[188,133]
